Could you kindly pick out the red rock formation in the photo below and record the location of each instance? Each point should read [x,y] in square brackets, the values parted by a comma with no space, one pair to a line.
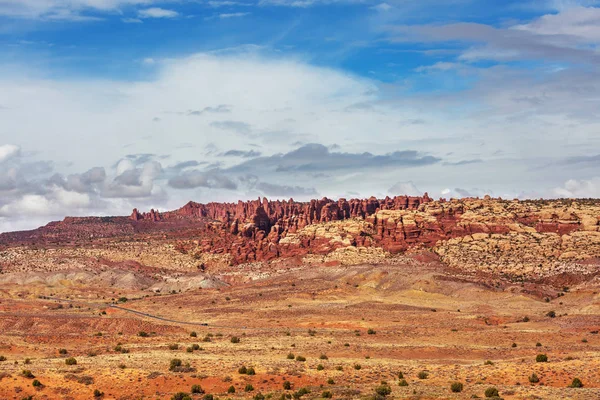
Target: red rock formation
[254,230]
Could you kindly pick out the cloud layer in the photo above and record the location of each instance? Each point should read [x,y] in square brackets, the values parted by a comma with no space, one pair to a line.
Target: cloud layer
[509,109]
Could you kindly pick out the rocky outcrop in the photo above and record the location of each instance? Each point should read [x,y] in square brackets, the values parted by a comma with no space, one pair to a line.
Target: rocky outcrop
[263,230]
[491,235]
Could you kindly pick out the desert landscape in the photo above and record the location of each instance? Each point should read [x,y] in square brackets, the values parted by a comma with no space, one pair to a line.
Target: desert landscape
[400,298]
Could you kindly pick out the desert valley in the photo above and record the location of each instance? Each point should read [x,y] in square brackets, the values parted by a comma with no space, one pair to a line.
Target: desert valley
[403,298]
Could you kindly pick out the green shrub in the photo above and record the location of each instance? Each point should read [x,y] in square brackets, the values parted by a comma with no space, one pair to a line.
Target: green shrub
[181,396]
[402,382]
[323,357]
[122,299]
[173,346]
[2,358]
[193,334]
[551,314]
[383,390]
[456,387]
[488,362]
[514,345]
[400,375]
[197,389]
[339,368]
[27,374]
[259,396]
[242,370]
[36,383]
[190,349]
[534,378]
[250,371]
[231,389]
[70,361]
[301,392]
[248,388]
[300,358]
[196,346]
[371,331]
[541,358]
[357,367]
[491,392]
[208,397]
[235,339]
[291,356]
[576,383]
[327,394]
[538,344]
[143,334]
[98,393]
[320,367]
[287,385]
[175,363]
[330,381]
[62,351]
[423,375]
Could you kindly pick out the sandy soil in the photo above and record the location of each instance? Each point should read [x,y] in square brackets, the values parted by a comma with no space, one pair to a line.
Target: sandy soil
[423,317]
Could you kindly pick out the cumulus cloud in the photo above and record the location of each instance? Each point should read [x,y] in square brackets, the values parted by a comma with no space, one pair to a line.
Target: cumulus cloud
[579,188]
[405,188]
[86,182]
[282,105]
[8,151]
[132,181]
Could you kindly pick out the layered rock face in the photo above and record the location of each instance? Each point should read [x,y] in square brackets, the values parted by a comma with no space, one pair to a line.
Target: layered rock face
[253,230]
[493,235]
[517,238]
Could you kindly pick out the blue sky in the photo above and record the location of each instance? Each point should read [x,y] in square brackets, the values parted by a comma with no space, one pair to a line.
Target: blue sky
[106,105]
[111,39]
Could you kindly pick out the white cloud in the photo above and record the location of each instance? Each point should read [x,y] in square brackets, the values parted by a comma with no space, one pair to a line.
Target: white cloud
[233,15]
[382,7]
[8,151]
[281,104]
[580,22]
[584,188]
[157,12]
[132,21]
[63,10]
[439,66]
[405,188]
[226,3]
